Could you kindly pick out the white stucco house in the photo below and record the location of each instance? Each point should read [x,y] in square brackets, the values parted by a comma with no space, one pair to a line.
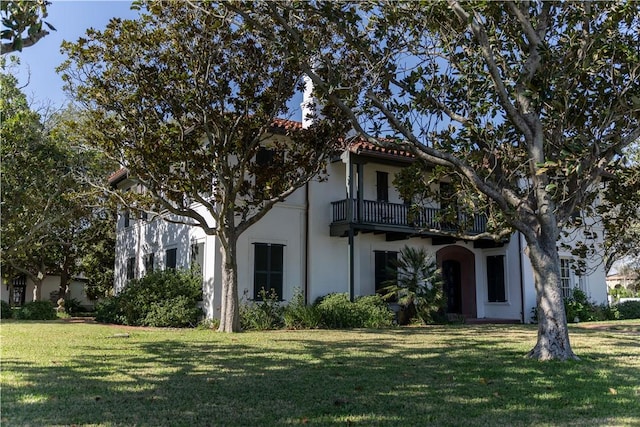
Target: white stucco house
[339,235]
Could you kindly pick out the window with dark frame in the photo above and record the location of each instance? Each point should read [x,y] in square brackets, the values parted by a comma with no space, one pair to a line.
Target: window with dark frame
[268,269]
[496,291]
[264,159]
[131,268]
[385,269]
[264,156]
[171,258]
[149,263]
[127,219]
[197,256]
[197,263]
[19,289]
[382,186]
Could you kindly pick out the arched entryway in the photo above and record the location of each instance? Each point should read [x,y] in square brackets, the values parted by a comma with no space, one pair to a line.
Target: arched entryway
[459,273]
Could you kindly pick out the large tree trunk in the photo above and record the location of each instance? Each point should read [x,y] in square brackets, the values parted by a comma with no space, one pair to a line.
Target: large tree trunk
[65,274]
[229,315]
[63,288]
[553,334]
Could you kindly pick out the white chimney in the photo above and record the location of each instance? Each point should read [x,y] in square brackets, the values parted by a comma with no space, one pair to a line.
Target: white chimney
[308,104]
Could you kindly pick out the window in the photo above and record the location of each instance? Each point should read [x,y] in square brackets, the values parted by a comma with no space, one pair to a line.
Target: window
[127,219]
[149,263]
[170,257]
[382,186]
[267,173]
[565,277]
[582,283]
[197,262]
[19,289]
[131,268]
[268,269]
[495,279]
[197,256]
[264,156]
[384,268]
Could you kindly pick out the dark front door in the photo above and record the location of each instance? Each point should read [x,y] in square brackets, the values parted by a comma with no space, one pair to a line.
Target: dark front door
[452,285]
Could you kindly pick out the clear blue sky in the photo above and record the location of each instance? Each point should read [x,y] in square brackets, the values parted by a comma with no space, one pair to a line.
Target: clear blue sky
[71,19]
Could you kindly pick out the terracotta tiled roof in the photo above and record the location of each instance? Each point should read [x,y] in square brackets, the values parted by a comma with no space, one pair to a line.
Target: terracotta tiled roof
[362,146]
[118,176]
[284,124]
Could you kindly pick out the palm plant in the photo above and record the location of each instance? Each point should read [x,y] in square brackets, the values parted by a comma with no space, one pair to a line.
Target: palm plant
[418,284]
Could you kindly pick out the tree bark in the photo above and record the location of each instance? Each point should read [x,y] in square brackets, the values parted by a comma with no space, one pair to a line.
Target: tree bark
[229,316]
[37,289]
[553,334]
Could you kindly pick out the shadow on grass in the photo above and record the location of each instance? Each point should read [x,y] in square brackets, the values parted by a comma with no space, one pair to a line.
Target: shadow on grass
[454,375]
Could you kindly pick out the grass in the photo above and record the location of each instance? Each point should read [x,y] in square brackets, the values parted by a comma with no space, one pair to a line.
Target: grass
[60,374]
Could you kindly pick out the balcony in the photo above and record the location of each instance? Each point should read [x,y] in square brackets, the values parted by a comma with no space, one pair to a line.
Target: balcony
[368,215]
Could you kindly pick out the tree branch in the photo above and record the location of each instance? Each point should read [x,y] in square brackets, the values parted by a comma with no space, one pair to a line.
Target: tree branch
[485,48]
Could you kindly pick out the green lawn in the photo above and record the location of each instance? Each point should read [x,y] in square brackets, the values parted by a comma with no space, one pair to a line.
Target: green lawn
[61,373]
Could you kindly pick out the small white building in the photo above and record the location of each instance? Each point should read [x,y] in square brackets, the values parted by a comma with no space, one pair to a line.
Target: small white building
[23,290]
[339,235]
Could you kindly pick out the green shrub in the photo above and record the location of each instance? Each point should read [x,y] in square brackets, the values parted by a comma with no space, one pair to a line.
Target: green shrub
[37,310]
[336,312]
[298,315]
[73,306]
[179,312]
[208,324]
[5,310]
[373,312]
[579,308]
[607,312]
[108,311]
[162,299]
[262,315]
[629,309]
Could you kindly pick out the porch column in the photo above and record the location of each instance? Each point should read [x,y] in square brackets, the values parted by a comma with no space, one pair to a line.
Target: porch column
[360,193]
[350,216]
[351,264]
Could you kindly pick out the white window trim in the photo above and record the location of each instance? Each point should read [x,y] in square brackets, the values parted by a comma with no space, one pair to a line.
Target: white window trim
[507,296]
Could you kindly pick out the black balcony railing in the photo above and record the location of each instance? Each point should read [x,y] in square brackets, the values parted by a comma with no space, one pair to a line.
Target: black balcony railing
[398,214]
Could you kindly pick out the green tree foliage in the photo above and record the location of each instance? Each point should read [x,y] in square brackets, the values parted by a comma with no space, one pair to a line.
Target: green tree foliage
[48,209]
[97,249]
[620,211]
[185,100]
[523,106]
[22,22]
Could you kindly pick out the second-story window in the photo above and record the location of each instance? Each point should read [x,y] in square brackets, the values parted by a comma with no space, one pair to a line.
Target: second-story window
[382,186]
[265,176]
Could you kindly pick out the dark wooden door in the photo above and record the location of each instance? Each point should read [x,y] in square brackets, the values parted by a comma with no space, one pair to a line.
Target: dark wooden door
[452,285]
